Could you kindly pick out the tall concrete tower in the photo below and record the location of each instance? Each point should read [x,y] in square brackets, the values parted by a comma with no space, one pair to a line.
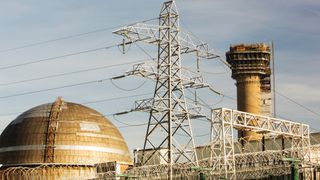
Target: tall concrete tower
[250,65]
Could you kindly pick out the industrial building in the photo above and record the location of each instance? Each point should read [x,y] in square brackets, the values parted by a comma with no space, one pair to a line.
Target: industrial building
[65,140]
[250,65]
[60,140]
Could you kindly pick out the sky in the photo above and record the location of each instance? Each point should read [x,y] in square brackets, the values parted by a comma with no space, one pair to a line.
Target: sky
[293,26]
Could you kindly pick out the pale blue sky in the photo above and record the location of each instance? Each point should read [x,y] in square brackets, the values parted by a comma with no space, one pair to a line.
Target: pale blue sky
[293,25]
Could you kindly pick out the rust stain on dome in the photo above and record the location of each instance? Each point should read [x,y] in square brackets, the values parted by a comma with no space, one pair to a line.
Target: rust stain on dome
[82,136]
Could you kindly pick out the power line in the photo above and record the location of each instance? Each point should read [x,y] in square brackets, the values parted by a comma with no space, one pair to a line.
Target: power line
[221,61]
[116,98]
[286,97]
[60,87]
[203,103]
[55,88]
[214,73]
[68,73]
[65,37]
[101,80]
[126,124]
[135,125]
[143,50]
[91,102]
[299,104]
[119,127]
[132,89]
[283,117]
[290,99]
[54,40]
[57,57]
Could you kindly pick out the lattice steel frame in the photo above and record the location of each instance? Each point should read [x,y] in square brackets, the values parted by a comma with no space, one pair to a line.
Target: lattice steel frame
[169,113]
[168,108]
[224,120]
[222,147]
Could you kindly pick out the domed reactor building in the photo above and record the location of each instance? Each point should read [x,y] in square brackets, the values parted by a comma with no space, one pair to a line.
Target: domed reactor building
[61,140]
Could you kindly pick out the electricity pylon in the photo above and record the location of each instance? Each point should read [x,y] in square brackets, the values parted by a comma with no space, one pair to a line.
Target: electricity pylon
[169,112]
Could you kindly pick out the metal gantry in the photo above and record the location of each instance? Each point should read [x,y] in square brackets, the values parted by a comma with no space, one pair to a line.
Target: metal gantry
[169,126]
[223,157]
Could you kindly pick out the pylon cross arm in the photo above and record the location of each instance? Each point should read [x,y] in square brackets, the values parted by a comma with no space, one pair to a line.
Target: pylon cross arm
[150,34]
[148,70]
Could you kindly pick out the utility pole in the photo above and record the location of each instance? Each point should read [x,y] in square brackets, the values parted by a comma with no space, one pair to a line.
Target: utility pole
[273,81]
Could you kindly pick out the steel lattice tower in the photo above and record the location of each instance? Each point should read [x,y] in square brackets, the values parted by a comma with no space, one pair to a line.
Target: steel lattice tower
[169,132]
[169,111]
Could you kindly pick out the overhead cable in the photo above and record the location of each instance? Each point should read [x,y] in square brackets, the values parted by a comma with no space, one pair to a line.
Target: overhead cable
[115,98]
[299,104]
[91,102]
[143,50]
[57,57]
[69,73]
[131,89]
[66,37]
[54,88]
[114,117]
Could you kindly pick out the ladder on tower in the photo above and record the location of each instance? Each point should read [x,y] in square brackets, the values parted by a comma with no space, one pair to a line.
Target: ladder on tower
[52,129]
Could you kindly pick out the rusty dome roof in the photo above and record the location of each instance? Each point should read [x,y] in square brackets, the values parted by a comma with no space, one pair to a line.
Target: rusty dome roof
[62,133]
